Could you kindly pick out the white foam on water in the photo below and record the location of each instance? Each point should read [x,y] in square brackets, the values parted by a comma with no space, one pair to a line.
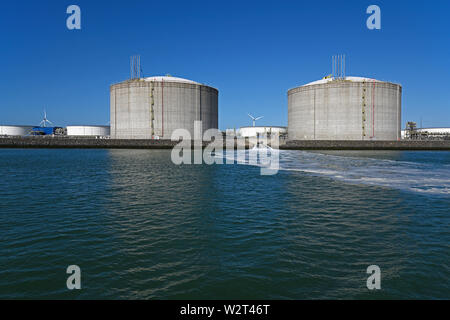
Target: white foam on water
[429,178]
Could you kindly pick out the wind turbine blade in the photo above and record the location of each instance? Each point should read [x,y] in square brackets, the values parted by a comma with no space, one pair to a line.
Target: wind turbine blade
[259,118]
[251,116]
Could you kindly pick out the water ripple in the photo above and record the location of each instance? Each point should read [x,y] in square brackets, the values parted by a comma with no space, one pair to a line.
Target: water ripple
[142,228]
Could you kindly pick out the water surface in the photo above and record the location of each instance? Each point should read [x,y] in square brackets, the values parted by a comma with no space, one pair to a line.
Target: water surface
[140,227]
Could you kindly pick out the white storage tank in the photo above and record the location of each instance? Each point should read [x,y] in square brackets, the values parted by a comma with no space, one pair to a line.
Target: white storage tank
[15,130]
[435,131]
[98,131]
[351,108]
[152,108]
[261,131]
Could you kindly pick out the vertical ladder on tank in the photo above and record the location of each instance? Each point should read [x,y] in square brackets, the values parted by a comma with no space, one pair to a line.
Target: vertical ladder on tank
[373,111]
[364,110]
[152,110]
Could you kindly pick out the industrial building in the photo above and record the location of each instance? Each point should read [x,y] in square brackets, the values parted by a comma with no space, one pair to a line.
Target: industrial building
[426,134]
[152,108]
[94,131]
[47,131]
[348,108]
[15,130]
[261,131]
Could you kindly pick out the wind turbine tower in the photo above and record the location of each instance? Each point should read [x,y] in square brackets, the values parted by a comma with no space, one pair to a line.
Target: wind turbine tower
[255,119]
[44,122]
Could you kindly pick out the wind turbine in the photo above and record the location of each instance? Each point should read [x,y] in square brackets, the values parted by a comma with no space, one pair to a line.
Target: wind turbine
[254,119]
[45,120]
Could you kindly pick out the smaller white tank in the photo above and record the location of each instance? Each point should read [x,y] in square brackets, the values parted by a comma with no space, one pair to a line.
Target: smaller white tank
[101,131]
[15,130]
[261,131]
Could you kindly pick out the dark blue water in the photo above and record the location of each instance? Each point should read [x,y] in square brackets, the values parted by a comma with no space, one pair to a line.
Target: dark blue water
[140,227]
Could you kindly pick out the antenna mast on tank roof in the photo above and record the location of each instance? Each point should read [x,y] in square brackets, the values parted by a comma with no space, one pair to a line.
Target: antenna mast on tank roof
[135,67]
[338,67]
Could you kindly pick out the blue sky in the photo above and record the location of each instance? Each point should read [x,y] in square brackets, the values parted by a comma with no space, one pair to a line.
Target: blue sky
[252,51]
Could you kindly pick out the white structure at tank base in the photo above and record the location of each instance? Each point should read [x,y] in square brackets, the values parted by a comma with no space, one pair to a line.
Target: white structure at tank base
[15,130]
[428,133]
[261,131]
[436,131]
[97,131]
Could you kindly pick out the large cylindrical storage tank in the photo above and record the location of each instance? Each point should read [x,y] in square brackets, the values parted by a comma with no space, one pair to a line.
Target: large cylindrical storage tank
[154,107]
[353,108]
[15,130]
[100,131]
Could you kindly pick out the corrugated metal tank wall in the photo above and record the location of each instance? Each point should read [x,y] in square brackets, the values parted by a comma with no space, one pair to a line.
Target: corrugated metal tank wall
[182,102]
[345,110]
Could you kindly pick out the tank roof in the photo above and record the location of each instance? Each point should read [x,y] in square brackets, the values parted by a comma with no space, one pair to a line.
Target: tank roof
[16,125]
[169,79]
[353,79]
[262,127]
[89,125]
[446,129]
